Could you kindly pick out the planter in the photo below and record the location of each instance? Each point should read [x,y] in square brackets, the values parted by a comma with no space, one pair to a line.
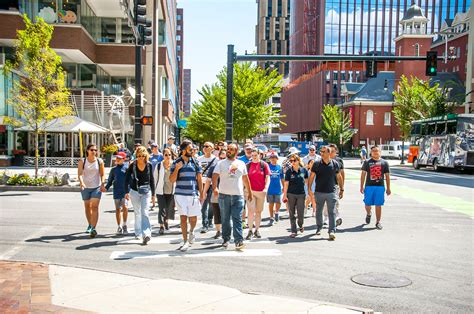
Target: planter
[18,160]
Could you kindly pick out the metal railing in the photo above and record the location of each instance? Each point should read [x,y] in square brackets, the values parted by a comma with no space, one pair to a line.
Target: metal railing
[52,161]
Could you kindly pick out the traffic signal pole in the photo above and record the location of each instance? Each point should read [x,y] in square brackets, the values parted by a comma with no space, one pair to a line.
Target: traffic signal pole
[138,93]
[233,58]
[229,124]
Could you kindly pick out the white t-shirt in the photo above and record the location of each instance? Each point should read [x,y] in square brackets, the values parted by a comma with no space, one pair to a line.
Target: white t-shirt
[230,174]
[204,161]
[307,158]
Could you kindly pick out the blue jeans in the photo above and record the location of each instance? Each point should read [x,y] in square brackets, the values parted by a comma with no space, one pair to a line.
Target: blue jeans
[330,199]
[231,206]
[206,210]
[141,203]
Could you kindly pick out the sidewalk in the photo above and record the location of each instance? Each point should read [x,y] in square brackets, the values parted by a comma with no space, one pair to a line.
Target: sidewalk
[31,287]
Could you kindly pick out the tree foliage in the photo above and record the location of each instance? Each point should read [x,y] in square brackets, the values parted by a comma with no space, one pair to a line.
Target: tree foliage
[416,100]
[253,86]
[39,96]
[335,123]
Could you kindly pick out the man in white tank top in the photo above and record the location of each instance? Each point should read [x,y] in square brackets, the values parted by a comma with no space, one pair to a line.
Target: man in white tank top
[91,175]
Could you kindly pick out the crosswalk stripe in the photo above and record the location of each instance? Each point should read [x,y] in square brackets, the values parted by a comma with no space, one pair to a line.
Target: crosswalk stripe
[202,241]
[124,255]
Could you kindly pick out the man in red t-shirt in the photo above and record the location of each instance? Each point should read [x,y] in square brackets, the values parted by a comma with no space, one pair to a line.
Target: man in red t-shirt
[258,172]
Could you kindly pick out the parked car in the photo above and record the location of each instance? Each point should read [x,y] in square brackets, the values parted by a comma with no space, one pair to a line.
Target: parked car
[275,148]
[394,150]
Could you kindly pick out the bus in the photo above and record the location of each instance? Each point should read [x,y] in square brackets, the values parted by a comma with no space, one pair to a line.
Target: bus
[443,142]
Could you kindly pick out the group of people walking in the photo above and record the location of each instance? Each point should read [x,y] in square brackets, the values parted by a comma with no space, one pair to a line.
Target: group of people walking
[227,190]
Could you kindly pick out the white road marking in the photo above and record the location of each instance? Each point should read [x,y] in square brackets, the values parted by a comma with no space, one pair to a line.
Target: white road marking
[122,255]
[202,241]
[21,245]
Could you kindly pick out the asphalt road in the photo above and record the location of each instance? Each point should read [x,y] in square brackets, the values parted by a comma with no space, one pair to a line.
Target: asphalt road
[427,237]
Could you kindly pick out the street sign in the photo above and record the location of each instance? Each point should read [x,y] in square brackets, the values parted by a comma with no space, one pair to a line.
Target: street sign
[146,120]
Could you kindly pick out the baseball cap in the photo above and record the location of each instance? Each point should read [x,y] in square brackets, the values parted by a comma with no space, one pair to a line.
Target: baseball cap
[154,144]
[138,144]
[248,146]
[273,155]
[171,137]
[312,147]
[121,155]
[293,150]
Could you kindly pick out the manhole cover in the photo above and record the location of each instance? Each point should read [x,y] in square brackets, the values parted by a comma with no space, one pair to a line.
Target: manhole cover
[381,280]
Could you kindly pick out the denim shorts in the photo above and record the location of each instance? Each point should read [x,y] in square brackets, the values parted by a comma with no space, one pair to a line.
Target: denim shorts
[274,198]
[119,202]
[374,195]
[89,193]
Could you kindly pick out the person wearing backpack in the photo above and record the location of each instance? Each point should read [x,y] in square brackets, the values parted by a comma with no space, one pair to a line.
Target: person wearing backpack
[207,161]
[140,187]
[164,190]
[327,173]
[258,173]
[91,173]
[117,179]
[187,173]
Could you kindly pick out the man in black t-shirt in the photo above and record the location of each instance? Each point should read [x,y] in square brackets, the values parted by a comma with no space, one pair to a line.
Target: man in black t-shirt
[373,173]
[327,172]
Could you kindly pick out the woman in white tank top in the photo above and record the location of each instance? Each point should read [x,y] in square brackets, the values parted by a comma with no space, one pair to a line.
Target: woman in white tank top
[92,178]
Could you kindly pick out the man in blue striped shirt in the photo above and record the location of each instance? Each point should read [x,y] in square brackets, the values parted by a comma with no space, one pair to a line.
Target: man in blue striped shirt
[187,173]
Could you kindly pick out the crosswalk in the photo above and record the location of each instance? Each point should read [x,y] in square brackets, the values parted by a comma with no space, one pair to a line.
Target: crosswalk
[166,246]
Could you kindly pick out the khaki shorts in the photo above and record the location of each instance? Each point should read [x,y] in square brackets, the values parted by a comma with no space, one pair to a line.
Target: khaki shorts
[258,200]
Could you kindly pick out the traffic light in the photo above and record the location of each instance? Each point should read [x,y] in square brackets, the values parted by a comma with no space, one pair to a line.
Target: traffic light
[371,68]
[146,120]
[142,23]
[431,63]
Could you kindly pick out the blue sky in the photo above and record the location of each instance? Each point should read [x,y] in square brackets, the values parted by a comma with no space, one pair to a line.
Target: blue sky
[209,26]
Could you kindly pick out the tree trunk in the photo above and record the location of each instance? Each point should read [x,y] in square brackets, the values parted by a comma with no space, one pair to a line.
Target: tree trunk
[36,153]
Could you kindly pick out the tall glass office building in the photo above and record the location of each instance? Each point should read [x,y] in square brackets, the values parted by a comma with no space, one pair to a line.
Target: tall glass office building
[357,26]
[364,26]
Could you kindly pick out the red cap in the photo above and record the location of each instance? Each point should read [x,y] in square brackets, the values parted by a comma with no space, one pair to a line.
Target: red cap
[121,155]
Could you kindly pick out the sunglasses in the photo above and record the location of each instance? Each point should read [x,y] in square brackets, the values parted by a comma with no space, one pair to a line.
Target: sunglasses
[93,150]
[312,150]
[141,156]
[167,155]
[207,146]
[293,160]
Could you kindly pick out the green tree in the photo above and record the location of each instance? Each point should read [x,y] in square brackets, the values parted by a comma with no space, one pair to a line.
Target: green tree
[416,100]
[336,123]
[253,86]
[39,96]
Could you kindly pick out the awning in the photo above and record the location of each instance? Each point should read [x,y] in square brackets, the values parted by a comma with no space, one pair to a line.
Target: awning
[70,124]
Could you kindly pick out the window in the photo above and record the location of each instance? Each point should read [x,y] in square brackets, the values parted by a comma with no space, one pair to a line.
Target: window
[387,118]
[178,37]
[417,50]
[179,27]
[369,119]
[180,17]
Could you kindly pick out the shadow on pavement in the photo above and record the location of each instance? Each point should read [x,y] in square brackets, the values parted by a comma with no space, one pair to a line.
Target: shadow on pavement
[18,194]
[359,228]
[306,238]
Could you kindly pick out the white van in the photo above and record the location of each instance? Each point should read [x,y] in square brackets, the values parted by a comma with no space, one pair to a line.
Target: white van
[394,150]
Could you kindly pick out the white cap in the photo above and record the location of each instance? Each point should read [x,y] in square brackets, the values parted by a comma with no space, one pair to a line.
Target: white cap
[293,150]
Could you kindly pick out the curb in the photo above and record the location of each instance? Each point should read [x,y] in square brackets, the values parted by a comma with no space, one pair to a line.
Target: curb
[354,308]
[7,188]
